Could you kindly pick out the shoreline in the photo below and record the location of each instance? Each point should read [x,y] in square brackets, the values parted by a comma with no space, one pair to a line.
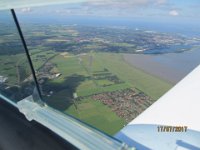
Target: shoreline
[148,64]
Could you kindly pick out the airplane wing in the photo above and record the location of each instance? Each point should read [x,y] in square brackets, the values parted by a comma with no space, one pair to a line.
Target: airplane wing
[172,122]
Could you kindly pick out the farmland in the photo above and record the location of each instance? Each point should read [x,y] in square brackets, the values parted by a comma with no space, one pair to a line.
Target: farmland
[86,75]
[82,72]
[95,73]
[104,66]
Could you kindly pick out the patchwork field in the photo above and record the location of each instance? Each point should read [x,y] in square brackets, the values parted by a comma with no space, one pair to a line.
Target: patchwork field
[152,86]
[87,74]
[80,78]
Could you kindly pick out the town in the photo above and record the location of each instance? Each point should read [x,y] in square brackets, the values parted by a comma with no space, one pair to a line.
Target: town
[126,103]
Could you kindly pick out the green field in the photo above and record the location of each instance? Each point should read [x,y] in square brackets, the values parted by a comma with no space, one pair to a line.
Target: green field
[132,77]
[39,58]
[86,77]
[152,86]
[12,66]
[98,115]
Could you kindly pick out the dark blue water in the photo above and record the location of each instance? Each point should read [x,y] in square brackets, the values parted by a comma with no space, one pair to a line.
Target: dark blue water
[171,49]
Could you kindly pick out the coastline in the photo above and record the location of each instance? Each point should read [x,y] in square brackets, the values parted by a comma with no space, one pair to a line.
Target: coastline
[148,64]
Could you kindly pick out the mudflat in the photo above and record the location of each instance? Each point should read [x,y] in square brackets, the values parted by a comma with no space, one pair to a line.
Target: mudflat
[149,64]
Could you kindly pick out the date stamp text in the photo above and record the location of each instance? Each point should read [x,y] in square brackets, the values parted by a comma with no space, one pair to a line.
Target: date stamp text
[172,128]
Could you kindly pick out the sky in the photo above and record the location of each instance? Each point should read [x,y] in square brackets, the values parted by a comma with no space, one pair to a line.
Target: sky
[162,10]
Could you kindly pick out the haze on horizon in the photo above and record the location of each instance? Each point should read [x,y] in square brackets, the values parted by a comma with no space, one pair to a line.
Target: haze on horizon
[177,11]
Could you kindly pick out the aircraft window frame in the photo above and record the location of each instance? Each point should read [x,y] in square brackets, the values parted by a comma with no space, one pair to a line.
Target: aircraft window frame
[69,128]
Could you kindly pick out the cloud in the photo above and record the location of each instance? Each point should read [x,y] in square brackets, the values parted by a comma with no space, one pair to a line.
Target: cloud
[173,13]
[161,1]
[27,9]
[127,4]
[123,7]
